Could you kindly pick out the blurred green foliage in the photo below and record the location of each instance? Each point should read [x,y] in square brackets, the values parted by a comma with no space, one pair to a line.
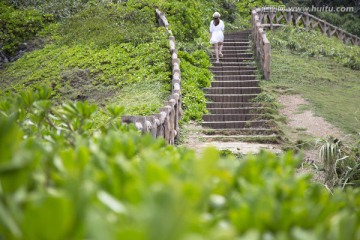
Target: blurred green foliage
[60,181]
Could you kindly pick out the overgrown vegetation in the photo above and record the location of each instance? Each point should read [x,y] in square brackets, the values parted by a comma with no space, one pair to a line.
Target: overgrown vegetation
[195,75]
[341,162]
[17,26]
[116,184]
[94,56]
[59,9]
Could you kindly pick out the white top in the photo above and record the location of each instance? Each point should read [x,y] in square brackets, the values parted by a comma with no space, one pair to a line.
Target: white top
[219,27]
[217,34]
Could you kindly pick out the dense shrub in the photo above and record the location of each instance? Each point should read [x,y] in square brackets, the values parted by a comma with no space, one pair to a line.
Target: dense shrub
[117,184]
[109,24]
[17,26]
[59,9]
[195,76]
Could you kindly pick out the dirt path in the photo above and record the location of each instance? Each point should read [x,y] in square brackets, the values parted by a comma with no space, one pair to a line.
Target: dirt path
[302,122]
[306,120]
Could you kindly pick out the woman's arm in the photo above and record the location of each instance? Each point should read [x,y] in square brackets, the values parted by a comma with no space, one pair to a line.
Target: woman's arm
[212,26]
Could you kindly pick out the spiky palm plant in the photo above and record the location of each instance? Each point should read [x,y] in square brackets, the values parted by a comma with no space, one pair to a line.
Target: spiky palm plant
[330,153]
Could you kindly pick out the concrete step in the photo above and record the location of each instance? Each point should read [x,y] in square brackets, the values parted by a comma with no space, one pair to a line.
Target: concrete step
[240,131]
[236,36]
[237,124]
[232,90]
[234,58]
[232,68]
[234,84]
[241,110]
[235,72]
[236,43]
[231,56]
[233,117]
[230,97]
[236,48]
[235,77]
[234,39]
[227,55]
[224,61]
[231,63]
[273,138]
[249,50]
[248,31]
[241,49]
[232,104]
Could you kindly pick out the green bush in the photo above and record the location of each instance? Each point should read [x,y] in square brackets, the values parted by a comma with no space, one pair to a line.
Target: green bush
[117,184]
[59,9]
[195,75]
[17,26]
[104,25]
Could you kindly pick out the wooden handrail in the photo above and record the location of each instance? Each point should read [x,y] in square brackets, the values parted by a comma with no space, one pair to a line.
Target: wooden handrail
[164,124]
[270,17]
[262,44]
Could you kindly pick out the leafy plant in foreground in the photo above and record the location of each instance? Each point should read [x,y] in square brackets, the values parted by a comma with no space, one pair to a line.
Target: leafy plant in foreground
[341,163]
[114,183]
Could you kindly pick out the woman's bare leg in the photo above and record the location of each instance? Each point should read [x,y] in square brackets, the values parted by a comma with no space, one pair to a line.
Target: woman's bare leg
[220,49]
[216,48]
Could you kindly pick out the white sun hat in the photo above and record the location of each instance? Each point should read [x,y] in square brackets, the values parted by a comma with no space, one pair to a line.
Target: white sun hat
[216,14]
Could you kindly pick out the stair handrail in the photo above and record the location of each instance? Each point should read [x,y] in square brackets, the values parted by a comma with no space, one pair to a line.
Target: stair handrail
[164,124]
[261,44]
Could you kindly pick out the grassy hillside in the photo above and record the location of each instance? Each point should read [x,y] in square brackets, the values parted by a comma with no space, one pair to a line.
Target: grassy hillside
[323,70]
[94,56]
[113,54]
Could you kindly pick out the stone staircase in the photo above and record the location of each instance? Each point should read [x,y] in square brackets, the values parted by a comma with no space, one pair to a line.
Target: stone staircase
[232,114]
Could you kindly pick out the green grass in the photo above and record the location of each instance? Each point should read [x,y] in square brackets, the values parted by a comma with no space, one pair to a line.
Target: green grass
[314,44]
[332,89]
[102,55]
